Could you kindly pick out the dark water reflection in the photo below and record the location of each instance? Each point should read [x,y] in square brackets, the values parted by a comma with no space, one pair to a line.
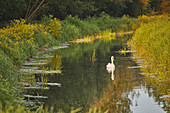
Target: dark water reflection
[86,83]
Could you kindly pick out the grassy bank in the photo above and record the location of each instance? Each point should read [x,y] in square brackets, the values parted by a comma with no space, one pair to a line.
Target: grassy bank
[18,42]
[152,42]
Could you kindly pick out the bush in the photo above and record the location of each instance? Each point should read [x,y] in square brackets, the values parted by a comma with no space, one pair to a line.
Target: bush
[69,31]
[19,41]
[8,80]
[51,25]
[105,22]
[73,27]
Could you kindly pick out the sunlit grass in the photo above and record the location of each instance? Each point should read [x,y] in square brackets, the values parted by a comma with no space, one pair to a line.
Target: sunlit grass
[106,36]
[152,42]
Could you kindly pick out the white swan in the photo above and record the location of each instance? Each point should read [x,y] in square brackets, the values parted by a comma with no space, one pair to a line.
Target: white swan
[111,67]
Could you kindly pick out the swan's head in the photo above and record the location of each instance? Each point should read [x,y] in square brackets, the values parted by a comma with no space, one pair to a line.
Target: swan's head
[112,57]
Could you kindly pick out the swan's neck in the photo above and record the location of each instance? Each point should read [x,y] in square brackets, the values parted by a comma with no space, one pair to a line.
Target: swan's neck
[111,60]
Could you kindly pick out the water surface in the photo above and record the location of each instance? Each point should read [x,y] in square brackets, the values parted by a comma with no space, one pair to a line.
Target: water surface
[85,83]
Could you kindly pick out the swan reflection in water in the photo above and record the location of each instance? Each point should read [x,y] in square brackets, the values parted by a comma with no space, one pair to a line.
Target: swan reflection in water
[111,67]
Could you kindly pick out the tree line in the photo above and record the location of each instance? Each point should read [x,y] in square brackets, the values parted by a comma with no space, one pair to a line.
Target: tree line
[35,9]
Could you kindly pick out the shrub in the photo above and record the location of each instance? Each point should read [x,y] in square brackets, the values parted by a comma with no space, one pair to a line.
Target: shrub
[18,42]
[73,27]
[105,22]
[51,25]
[8,80]
[69,31]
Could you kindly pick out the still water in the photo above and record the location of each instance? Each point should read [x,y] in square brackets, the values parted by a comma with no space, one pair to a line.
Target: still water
[85,84]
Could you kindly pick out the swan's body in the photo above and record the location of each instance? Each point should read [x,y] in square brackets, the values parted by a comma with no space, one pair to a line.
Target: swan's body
[111,67]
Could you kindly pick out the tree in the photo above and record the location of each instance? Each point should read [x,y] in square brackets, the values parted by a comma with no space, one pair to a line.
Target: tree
[34,7]
[156,5]
[112,7]
[80,8]
[133,8]
[145,4]
[10,9]
[165,6]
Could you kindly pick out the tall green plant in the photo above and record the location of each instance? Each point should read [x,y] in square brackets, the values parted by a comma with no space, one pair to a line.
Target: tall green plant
[152,42]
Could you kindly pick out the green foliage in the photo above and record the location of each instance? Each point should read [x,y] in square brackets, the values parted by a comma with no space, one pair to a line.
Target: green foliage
[6,66]
[35,9]
[105,22]
[69,31]
[18,42]
[51,25]
[73,27]
[8,80]
[152,41]
[10,9]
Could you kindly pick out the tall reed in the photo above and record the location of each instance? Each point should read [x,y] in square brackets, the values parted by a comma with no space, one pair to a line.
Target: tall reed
[152,42]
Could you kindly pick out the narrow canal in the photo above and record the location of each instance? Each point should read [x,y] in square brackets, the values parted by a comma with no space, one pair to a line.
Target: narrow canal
[80,80]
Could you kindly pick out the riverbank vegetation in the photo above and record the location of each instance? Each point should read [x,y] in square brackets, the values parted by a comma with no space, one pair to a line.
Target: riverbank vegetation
[18,42]
[21,39]
[152,42]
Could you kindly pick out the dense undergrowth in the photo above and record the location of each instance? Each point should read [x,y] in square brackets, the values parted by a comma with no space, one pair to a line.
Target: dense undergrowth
[152,42]
[74,28]
[18,42]
[21,40]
